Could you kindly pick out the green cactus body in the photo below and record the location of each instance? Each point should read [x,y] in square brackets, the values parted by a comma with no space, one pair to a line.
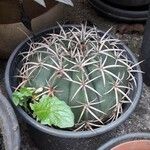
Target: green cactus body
[66,89]
[90,81]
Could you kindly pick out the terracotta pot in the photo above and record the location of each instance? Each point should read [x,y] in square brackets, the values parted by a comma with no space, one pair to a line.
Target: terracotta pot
[13,31]
[131,141]
[134,145]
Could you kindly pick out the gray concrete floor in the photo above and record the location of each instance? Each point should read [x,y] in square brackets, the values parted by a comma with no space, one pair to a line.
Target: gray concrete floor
[139,121]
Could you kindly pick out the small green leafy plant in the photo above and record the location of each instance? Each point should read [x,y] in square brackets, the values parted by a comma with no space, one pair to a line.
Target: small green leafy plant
[47,110]
[22,96]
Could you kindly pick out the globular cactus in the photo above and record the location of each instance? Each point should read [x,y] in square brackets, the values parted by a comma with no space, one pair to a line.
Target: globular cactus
[89,70]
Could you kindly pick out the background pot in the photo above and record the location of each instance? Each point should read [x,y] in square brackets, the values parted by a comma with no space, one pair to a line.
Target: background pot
[133,141]
[12,31]
[51,138]
[127,14]
[130,2]
[10,10]
[9,125]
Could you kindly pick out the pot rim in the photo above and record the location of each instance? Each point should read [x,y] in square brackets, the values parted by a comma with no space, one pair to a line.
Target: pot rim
[71,134]
[125,138]
[130,2]
[118,13]
[9,125]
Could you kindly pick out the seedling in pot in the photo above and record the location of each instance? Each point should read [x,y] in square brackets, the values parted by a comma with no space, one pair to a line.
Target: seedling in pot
[49,110]
[76,78]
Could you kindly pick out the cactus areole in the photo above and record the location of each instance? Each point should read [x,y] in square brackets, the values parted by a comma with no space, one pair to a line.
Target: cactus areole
[92,72]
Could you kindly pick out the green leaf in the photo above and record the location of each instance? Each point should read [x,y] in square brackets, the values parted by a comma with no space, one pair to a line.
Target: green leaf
[16,97]
[26,91]
[52,111]
[21,97]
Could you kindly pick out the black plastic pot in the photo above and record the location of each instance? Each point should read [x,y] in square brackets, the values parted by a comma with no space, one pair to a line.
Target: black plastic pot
[9,125]
[55,139]
[125,138]
[145,52]
[132,3]
[126,14]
